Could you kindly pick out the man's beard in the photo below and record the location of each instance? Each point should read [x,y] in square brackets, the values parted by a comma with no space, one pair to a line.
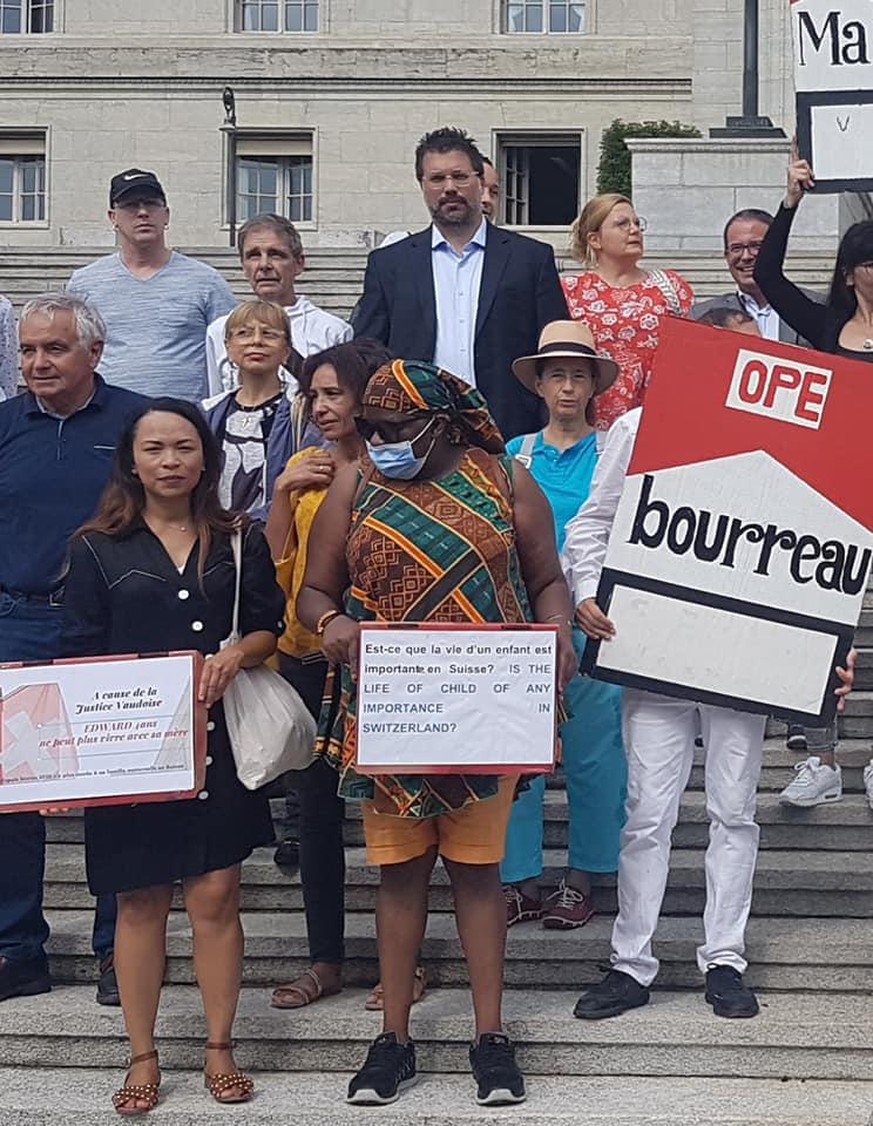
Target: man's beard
[458,218]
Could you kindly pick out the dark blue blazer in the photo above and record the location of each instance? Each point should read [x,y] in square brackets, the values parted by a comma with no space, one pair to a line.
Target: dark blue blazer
[519,294]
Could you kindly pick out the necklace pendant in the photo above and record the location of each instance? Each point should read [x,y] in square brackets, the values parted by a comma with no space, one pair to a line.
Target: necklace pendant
[868,345]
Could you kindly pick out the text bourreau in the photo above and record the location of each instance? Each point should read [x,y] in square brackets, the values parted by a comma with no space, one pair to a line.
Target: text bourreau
[712,538]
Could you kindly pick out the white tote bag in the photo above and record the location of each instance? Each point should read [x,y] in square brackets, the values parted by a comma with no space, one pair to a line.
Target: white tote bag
[270,728]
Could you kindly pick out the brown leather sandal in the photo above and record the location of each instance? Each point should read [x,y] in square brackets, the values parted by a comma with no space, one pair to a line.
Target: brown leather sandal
[144,1092]
[221,1082]
[375,1002]
[306,989]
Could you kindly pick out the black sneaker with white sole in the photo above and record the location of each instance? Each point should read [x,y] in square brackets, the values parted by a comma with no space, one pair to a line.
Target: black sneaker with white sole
[388,1070]
[499,1082]
[796,740]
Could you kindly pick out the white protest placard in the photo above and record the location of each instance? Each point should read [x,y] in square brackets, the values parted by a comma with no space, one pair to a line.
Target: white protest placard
[833,78]
[101,731]
[453,699]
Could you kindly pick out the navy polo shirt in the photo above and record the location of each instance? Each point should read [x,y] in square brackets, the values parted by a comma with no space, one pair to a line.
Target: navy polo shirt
[52,472]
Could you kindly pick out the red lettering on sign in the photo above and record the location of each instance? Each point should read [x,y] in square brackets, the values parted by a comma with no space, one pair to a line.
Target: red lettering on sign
[783,376]
[748,391]
[810,401]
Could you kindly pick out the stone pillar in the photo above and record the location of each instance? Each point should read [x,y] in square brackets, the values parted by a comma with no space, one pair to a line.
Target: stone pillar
[687,189]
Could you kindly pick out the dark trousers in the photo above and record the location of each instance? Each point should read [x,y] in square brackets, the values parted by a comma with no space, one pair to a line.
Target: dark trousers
[322,853]
[31,631]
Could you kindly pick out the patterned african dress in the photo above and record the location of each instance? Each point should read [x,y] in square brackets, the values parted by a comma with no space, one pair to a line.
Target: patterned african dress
[424,551]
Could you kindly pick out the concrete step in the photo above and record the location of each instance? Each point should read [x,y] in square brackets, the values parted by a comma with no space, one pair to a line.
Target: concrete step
[838,826]
[822,955]
[315,1099]
[675,1035]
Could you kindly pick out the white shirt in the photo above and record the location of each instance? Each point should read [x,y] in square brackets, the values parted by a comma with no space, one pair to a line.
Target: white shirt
[312,330]
[456,281]
[588,532]
[764,316]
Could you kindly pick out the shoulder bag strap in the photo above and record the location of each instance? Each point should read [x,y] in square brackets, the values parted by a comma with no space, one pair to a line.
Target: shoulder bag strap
[663,282]
[525,452]
[236,543]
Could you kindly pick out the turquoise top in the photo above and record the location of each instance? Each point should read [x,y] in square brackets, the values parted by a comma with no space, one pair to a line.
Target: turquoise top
[563,475]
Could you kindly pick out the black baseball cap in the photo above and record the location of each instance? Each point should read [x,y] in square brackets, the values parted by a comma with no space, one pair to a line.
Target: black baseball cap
[135,180]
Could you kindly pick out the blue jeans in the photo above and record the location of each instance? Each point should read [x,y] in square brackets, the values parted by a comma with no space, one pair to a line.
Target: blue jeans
[31,631]
[594,762]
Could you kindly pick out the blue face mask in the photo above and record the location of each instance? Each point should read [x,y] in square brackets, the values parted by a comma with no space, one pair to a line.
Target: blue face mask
[397,459]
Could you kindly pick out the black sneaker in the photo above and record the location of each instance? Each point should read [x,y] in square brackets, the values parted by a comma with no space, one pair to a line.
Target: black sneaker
[727,993]
[796,740]
[388,1070]
[611,997]
[23,979]
[107,985]
[499,1082]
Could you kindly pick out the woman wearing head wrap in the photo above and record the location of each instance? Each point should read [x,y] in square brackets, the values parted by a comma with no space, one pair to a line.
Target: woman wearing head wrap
[439,527]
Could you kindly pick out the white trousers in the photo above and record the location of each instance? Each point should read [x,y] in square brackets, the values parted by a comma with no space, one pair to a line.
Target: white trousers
[659,735]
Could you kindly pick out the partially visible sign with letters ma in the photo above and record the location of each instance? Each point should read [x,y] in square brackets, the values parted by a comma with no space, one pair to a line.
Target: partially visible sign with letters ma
[833,77]
[101,731]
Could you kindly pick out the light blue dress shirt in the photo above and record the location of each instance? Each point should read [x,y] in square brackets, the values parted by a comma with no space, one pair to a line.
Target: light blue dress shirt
[764,316]
[456,281]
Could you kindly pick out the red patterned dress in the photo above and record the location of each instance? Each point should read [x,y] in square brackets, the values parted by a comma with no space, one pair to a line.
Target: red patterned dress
[625,322]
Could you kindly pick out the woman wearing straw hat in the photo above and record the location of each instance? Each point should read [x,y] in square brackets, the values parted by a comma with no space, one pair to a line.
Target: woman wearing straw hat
[567,374]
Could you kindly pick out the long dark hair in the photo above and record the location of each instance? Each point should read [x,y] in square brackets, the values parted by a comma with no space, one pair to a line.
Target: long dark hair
[123,501]
[856,246]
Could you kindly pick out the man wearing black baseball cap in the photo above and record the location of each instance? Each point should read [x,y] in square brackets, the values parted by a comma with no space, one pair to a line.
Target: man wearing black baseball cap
[157,303]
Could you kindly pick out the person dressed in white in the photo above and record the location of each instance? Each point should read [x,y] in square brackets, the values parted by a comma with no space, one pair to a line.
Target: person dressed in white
[272,258]
[659,734]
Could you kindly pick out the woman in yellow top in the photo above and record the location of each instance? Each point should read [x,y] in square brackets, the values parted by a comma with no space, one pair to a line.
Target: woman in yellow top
[333,382]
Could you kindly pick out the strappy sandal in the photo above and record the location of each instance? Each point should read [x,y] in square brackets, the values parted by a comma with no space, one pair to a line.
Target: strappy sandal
[375,1002]
[217,1084]
[142,1092]
[306,989]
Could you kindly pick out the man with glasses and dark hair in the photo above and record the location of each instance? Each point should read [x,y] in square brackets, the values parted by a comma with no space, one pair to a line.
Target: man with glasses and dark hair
[157,303]
[743,234]
[463,294]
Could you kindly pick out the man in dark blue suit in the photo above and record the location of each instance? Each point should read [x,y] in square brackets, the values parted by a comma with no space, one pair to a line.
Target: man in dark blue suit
[463,294]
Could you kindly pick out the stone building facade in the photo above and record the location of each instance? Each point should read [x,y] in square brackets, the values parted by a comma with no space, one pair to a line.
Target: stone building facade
[331,96]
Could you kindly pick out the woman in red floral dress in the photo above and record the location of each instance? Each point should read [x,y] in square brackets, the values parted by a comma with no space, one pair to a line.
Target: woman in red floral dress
[621,303]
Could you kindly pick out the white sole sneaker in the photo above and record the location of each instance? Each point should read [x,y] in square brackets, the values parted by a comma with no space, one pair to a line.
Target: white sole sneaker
[809,803]
[368,1097]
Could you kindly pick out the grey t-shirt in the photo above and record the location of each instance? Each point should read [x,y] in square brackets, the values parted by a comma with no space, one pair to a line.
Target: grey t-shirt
[156,327]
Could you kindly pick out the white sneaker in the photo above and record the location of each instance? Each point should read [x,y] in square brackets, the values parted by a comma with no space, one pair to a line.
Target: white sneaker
[868,782]
[814,784]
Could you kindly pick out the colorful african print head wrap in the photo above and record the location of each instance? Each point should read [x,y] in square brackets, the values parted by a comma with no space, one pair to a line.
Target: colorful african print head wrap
[413,387]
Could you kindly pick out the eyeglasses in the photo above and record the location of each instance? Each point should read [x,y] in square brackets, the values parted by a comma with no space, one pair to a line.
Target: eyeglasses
[627,223]
[246,333]
[388,431]
[459,179]
[738,249]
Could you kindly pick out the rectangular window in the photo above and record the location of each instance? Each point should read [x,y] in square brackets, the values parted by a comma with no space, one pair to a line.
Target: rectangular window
[34,16]
[276,15]
[544,16]
[22,178]
[541,175]
[274,173]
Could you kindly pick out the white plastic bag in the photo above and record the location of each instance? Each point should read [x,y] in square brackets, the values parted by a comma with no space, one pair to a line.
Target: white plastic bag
[270,728]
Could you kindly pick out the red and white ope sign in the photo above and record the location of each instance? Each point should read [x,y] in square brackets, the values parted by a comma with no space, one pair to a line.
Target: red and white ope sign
[740,553]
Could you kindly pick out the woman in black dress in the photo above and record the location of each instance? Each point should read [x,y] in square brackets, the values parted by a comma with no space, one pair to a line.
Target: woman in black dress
[154,571]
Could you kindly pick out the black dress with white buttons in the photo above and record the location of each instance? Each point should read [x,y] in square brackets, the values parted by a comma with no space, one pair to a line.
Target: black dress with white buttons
[125,595]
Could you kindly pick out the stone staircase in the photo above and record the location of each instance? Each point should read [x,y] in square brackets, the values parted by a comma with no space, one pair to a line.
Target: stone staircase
[333,278]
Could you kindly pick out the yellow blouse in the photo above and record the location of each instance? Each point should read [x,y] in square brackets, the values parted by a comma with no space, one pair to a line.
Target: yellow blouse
[297,640]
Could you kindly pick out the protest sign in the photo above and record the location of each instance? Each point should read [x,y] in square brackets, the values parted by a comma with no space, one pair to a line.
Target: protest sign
[454,699]
[101,731]
[739,556]
[833,79]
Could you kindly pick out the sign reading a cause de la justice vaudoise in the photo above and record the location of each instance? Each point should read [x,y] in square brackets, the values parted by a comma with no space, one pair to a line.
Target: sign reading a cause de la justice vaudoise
[833,77]
[739,556]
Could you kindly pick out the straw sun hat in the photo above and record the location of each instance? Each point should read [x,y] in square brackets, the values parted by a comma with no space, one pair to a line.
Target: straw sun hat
[571,340]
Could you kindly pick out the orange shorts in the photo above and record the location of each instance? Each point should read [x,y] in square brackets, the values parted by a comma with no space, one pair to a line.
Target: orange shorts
[475,834]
